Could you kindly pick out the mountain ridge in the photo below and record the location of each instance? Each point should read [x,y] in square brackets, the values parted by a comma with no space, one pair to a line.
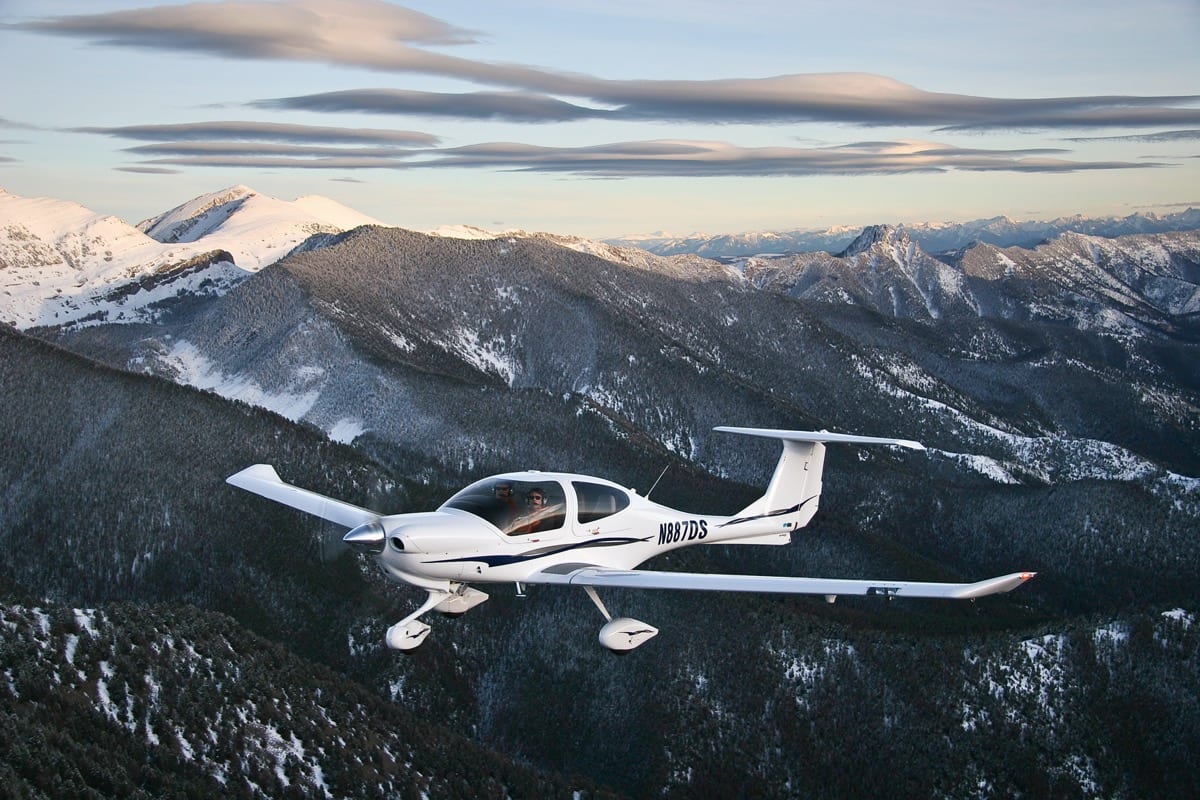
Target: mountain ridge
[1129,285]
[934,237]
[1007,282]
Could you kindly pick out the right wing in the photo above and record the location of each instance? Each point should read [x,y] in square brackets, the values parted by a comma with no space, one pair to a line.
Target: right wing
[642,579]
[263,480]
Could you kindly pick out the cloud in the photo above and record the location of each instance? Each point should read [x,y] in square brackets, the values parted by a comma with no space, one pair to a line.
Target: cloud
[265,149]
[380,36]
[264,131]
[369,34]
[359,32]
[875,100]
[508,106]
[253,161]
[658,158]
[862,99]
[692,158]
[1147,138]
[21,126]
[148,170]
[267,144]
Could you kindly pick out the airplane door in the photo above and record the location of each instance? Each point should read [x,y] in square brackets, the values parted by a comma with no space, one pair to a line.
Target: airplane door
[598,509]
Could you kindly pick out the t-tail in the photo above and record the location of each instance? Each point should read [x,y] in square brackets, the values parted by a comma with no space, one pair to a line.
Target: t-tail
[795,488]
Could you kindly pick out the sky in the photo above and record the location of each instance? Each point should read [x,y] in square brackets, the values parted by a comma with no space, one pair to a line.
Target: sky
[609,118]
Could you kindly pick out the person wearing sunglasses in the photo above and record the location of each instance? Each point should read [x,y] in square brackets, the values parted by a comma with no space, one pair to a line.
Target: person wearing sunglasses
[535,515]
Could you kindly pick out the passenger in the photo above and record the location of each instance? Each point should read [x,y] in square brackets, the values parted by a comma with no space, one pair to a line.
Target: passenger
[507,511]
[503,492]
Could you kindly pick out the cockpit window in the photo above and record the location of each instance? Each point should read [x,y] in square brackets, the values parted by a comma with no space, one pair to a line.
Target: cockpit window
[515,507]
[597,501]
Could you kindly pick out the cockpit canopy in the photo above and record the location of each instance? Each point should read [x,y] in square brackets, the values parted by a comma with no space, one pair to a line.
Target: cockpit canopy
[525,505]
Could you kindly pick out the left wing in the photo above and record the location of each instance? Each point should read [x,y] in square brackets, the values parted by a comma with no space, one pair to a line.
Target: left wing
[262,479]
[580,575]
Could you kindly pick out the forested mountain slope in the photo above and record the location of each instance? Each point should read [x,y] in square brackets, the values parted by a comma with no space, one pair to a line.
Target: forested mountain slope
[1055,449]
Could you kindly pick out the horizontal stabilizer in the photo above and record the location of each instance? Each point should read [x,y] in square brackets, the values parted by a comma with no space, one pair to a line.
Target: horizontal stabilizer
[641,579]
[262,479]
[823,437]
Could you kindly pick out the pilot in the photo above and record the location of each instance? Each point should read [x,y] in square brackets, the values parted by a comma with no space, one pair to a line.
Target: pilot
[535,498]
[535,513]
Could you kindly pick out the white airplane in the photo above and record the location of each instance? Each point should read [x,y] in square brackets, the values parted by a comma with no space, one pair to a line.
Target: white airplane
[562,528]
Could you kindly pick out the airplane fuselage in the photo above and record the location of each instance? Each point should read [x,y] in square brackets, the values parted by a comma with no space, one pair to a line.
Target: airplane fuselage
[477,537]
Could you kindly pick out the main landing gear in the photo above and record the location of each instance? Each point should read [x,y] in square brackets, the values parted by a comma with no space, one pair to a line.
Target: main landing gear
[408,633]
[622,634]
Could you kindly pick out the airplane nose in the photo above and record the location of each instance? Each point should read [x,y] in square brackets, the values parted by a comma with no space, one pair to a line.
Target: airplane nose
[367,538]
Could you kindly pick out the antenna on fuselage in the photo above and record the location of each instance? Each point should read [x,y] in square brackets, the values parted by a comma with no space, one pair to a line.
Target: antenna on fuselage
[656,480]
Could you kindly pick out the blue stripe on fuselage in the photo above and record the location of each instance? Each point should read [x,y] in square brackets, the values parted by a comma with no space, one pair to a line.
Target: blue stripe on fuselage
[533,555]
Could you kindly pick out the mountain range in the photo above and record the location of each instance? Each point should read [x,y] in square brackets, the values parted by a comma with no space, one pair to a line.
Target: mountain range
[934,237]
[1055,388]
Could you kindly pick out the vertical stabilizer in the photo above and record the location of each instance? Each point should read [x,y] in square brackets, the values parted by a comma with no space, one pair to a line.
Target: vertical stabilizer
[796,483]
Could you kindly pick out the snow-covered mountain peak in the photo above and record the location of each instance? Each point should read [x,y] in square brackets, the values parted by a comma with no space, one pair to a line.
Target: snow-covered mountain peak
[60,259]
[197,217]
[876,234]
[64,262]
[51,220]
[43,235]
[255,228]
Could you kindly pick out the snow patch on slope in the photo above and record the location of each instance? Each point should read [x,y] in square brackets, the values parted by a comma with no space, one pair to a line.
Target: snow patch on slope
[1046,459]
[191,367]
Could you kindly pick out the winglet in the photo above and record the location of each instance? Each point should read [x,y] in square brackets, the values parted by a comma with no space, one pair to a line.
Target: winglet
[254,475]
[1005,583]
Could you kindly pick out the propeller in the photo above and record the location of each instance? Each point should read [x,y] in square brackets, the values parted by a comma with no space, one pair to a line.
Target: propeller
[367,538]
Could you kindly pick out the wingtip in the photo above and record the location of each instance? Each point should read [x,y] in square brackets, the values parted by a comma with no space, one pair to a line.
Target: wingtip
[1004,583]
[254,472]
